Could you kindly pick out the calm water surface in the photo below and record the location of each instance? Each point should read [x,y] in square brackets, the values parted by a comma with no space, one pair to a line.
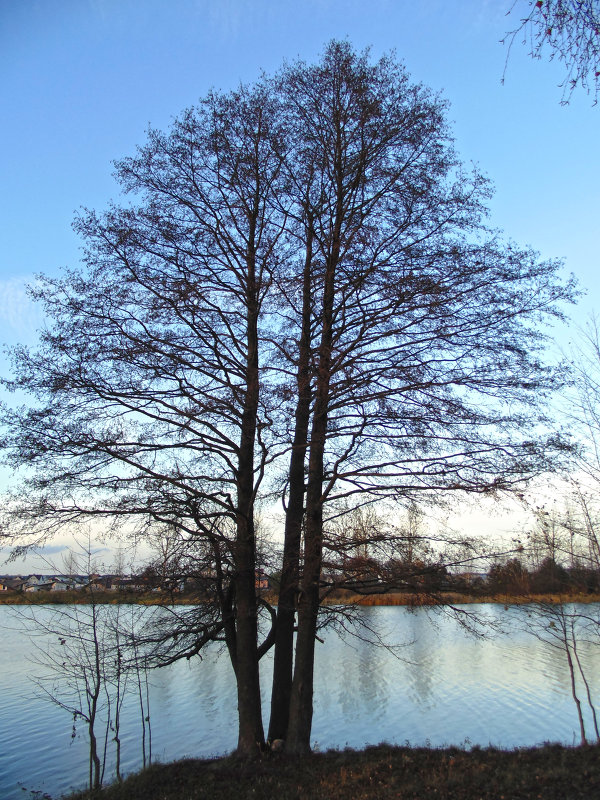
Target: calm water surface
[441,686]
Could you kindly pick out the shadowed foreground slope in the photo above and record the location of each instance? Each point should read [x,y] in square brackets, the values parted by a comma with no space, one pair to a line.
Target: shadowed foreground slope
[552,772]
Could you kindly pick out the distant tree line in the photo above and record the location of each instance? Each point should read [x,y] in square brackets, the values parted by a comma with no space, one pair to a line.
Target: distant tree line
[549,577]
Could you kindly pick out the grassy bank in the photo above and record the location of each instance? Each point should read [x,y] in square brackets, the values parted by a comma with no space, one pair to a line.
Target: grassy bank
[377,773]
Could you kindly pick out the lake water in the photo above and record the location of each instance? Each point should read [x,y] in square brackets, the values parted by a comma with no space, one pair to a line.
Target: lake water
[441,687]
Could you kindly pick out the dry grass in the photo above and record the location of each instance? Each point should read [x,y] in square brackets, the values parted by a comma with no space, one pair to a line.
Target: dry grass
[377,773]
[456,598]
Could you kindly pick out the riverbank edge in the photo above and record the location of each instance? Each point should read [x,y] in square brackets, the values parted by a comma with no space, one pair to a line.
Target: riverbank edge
[389,599]
[383,772]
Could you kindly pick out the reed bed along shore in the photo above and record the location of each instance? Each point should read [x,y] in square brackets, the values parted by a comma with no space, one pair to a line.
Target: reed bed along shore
[456,598]
[340,598]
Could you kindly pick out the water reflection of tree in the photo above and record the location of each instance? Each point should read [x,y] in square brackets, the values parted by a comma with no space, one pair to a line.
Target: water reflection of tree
[570,631]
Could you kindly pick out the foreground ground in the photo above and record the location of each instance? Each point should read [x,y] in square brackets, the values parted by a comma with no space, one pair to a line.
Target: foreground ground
[550,773]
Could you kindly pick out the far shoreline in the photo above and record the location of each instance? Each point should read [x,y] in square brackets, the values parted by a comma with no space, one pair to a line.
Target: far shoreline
[406,599]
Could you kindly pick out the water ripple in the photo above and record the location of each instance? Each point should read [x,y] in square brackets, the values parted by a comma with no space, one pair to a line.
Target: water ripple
[446,688]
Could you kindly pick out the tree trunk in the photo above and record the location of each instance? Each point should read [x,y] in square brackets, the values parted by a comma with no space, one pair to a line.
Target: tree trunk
[301,702]
[250,733]
[288,588]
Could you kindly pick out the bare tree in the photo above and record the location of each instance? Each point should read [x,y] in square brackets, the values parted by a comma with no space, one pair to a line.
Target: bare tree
[84,654]
[569,536]
[309,249]
[422,348]
[151,409]
[566,629]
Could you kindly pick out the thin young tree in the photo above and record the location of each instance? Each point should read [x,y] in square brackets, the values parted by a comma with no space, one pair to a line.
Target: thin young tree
[82,673]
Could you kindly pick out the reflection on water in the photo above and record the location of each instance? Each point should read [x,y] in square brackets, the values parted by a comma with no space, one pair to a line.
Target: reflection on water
[437,684]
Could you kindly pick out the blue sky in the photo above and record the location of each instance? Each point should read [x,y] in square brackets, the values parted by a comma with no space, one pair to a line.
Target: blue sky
[81,80]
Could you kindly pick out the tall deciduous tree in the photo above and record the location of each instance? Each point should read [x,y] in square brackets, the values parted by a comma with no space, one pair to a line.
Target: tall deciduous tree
[308,249]
[423,345]
[151,405]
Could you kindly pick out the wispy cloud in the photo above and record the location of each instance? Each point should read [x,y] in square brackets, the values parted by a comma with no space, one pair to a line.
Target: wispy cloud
[52,558]
[19,316]
[226,18]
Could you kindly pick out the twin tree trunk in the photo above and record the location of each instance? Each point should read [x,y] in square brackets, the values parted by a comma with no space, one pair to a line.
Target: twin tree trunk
[292,698]
[301,703]
[283,660]
[299,710]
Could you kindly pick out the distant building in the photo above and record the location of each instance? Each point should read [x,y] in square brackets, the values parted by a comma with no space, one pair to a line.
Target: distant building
[11,584]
